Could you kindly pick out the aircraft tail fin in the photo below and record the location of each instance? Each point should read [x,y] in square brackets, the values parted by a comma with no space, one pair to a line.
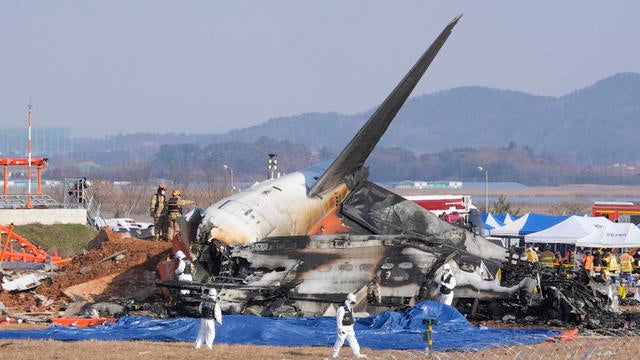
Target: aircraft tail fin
[358,150]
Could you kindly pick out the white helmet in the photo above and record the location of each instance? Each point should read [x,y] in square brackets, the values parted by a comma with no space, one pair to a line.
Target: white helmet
[351,298]
[179,255]
[213,293]
[446,267]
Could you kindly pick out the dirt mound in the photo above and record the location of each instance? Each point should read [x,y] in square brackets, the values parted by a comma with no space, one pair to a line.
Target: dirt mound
[121,275]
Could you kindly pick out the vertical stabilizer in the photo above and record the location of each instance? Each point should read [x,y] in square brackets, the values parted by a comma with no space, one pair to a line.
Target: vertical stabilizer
[358,150]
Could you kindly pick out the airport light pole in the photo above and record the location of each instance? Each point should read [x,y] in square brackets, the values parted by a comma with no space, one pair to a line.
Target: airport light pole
[486,188]
[233,188]
[272,165]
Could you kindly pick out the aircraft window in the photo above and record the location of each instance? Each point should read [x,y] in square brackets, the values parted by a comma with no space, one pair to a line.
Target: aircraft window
[223,204]
[248,212]
[386,266]
[366,267]
[405,265]
[277,188]
[345,267]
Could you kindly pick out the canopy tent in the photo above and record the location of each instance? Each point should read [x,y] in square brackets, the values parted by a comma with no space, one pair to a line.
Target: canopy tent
[505,218]
[527,224]
[490,222]
[613,235]
[568,231]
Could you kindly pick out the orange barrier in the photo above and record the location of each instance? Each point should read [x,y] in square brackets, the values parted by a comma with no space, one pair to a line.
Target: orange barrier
[28,252]
[565,336]
[82,322]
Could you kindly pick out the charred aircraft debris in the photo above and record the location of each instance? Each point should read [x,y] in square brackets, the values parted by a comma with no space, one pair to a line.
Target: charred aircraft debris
[294,246]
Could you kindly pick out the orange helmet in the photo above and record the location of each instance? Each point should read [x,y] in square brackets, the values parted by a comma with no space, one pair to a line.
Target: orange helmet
[162,186]
[176,192]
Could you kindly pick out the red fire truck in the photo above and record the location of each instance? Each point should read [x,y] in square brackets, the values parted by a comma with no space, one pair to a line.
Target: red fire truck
[455,209]
[618,211]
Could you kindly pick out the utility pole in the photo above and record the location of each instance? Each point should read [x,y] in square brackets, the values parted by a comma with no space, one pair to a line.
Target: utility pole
[486,188]
[230,171]
[272,165]
[29,206]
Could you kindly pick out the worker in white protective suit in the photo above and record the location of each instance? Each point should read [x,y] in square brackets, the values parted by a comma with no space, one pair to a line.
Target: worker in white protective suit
[209,310]
[344,322]
[183,269]
[446,284]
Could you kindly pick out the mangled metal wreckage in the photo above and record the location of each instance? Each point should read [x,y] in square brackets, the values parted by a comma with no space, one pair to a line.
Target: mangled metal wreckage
[297,244]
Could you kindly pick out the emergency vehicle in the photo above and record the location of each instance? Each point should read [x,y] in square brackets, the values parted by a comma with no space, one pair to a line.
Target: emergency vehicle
[617,211]
[455,209]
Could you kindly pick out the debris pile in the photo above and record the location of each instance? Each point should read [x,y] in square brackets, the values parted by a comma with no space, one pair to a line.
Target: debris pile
[112,268]
[564,297]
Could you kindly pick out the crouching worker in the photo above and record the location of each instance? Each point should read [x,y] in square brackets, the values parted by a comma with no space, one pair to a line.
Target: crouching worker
[344,322]
[183,269]
[209,310]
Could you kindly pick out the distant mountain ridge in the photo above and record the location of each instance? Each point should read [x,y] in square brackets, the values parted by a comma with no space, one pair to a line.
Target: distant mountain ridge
[595,124]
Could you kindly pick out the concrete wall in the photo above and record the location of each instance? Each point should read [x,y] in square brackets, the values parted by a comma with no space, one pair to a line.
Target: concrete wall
[43,216]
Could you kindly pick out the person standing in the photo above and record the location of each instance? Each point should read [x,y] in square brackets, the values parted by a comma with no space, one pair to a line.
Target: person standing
[174,209]
[446,285]
[587,262]
[532,255]
[210,313]
[157,210]
[344,325]
[626,262]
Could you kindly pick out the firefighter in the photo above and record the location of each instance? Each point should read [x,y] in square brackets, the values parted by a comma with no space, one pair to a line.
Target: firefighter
[446,284]
[344,324]
[532,255]
[587,262]
[158,211]
[210,311]
[626,262]
[174,209]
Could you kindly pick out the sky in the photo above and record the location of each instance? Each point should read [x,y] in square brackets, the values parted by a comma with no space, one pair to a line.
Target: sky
[121,66]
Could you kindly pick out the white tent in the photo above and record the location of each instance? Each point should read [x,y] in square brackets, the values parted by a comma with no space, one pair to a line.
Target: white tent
[614,235]
[568,231]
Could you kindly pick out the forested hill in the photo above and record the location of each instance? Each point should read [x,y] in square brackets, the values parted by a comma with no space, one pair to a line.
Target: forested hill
[587,136]
[595,124]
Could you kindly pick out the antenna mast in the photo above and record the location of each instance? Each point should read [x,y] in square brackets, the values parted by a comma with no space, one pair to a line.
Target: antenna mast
[29,151]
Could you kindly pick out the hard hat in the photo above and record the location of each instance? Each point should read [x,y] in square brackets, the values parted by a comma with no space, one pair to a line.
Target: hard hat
[175,192]
[179,254]
[351,298]
[162,186]
[446,267]
[213,292]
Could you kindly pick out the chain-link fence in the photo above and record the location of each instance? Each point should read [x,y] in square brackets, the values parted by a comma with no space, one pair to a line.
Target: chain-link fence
[605,345]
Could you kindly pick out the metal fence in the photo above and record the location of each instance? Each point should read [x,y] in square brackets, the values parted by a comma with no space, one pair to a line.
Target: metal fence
[588,346]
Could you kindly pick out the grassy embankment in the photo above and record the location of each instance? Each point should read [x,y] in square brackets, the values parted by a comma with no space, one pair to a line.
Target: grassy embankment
[67,239]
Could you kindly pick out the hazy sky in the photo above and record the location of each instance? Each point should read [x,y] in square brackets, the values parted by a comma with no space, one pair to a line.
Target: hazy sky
[106,67]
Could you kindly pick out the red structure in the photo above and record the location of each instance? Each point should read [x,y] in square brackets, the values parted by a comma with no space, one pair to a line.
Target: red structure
[617,211]
[27,252]
[41,163]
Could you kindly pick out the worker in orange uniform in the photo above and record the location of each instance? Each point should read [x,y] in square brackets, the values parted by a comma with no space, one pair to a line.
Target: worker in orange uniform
[174,209]
[158,211]
[626,262]
[587,262]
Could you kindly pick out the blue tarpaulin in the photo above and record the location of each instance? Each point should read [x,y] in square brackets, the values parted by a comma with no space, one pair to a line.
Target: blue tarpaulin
[387,330]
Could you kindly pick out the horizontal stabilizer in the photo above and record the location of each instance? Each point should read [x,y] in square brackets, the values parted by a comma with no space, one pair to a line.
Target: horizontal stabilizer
[354,155]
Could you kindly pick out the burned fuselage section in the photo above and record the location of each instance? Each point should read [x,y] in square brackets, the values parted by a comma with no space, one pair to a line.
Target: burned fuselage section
[390,248]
